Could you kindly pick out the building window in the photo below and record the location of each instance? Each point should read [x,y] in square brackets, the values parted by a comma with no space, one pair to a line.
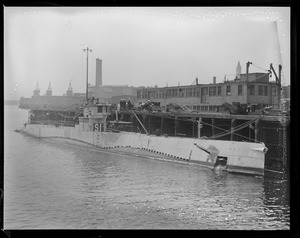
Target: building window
[181,92]
[145,94]
[252,89]
[204,95]
[214,92]
[266,90]
[228,90]
[194,91]
[260,90]
[198,92]
[240,89]
[152,93]
[210,91]
[204,108]
[219,91]
[175,93]
[189,92]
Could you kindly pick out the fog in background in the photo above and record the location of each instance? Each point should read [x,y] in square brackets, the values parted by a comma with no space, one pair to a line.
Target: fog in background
[139,46]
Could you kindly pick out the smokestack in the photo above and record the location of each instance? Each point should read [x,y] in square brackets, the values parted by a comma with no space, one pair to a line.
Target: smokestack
[214,80]
[98,72]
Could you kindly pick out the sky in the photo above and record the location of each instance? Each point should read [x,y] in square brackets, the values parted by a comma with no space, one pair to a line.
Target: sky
[139,46]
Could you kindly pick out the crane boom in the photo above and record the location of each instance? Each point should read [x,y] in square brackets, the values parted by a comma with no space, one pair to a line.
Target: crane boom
[277,79]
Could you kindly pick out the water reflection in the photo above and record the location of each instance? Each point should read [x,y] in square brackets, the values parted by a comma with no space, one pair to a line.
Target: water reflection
[81,187]
[277,200]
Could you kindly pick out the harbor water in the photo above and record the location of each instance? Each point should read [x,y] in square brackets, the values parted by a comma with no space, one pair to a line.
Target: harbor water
[51,185]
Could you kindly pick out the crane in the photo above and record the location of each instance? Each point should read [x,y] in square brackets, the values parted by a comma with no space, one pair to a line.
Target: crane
[278,78]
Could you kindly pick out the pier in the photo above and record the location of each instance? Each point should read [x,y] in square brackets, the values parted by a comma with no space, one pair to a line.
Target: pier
[273,130]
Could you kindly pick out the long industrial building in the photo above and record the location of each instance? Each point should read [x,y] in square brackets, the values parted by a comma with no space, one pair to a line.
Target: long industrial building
[245,89]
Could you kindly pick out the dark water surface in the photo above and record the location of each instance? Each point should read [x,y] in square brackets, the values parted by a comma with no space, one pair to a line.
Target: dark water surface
[49,185]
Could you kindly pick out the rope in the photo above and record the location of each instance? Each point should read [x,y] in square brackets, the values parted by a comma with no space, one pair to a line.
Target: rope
[259,67]
[68,116]
[261,76]
[238,128]
[227,132]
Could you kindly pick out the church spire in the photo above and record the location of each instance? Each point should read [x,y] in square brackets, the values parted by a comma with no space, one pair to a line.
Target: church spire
[238,70]
[49,90]
[70,90]
[70,85]
[36,92]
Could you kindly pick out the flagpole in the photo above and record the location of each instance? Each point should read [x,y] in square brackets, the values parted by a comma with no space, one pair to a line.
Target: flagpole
[87,71]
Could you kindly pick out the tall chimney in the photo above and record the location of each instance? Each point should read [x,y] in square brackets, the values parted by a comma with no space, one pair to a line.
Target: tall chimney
[214,80]
[98,72]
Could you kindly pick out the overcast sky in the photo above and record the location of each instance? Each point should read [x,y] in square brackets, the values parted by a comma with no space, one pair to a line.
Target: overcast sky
[139,46]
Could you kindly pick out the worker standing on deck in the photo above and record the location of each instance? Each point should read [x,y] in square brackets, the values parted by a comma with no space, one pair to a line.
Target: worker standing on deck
[122,104]
[148,106]
[129,104]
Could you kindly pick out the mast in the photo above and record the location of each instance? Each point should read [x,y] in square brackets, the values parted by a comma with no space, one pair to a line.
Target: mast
[87,71]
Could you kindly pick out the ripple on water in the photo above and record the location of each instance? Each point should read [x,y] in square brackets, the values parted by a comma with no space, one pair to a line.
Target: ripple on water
[52,185]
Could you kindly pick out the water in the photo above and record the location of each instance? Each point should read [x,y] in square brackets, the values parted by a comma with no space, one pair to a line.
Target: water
[49,185]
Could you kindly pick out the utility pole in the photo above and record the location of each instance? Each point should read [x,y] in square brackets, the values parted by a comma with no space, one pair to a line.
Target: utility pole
[87,72]
[247,82]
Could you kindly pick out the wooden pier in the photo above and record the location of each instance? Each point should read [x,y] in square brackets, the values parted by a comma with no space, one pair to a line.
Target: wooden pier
[273,130]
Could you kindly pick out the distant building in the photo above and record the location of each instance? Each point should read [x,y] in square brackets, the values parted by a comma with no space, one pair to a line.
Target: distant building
[110,93]
[36,92]
[70,100]
[113,93]
[210,97]
[70,91]
[49,91]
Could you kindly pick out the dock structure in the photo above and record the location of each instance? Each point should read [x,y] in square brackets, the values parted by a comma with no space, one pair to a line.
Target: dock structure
[273,130]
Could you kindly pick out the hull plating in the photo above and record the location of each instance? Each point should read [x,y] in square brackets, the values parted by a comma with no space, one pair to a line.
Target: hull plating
[240,157]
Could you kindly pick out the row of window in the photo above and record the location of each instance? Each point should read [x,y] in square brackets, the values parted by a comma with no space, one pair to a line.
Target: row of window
[262,90]
[181,92]
[205,91]
[203,108]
